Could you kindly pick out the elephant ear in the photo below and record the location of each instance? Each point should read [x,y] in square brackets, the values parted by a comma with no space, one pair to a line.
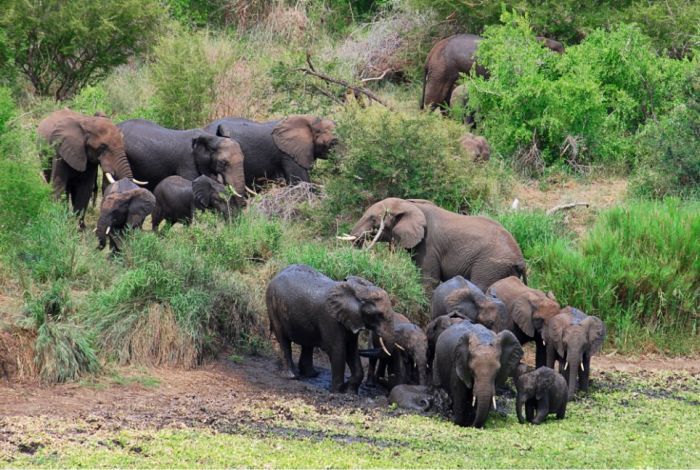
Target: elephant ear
[522,313]
[458,296]
[555,328]
[596,332]
[461,361]
[545,381]
[201,189]
[142,204]
[511,354]
[409,226]
[221,131]
[72,148]
[345,307]
[359,280]
[294,137]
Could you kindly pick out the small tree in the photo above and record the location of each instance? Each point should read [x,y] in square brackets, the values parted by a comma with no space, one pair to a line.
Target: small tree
[62,46]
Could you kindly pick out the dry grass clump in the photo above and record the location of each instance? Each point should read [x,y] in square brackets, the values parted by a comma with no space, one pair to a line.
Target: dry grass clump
[240,91]
[289,23]
[17,354]
[285,202]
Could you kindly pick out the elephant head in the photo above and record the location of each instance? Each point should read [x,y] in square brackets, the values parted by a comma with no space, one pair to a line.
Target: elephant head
[222,159]
[358,304]
[82,139]
[532,309]
[305,138]
[123,209]
[393,220]
[212,194]
[490,311]
[413,343]
[533,386]
[481,362]
[575,335]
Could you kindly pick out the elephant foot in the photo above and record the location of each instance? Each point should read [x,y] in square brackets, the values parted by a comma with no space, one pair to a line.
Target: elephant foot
[288,374]
[309,374]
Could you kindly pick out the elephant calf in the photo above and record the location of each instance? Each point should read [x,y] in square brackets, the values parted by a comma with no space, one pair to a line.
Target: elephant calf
[312,310]
[542,391]
[461,296]
[435,328]
[412,397]
[125,205]
[177,198]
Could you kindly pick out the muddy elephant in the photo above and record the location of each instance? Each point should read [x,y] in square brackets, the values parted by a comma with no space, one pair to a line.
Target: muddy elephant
[156,153]
[407,363]
[177,199]
[452,56]
[444,244]
[411,397]
[124,205]
[540,392]
[285,148]
[476,147]
[312,310]
[82,143]
[470,361]
[434,329]
[572,337]
[461,296]
[528,311]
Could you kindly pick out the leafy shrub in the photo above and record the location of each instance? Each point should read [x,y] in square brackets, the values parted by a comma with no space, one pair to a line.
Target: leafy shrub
[7,109]
[636,269]
[62,46]
[532,229]
[394,154]
[92,99]
[63,352]
[392,271]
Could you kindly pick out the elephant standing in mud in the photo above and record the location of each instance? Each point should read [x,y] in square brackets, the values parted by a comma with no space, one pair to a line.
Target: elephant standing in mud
[444,244]
[528,311]
[285,148]
[452,56]
[540,392]
[124,205]
[470,360]
[572,337]
[460,296]
[82,143]
[312,310]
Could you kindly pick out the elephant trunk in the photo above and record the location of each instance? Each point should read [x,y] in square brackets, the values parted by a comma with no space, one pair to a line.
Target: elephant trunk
[484,396]
[102,229]
[574,362]
[117,165]
[236,179]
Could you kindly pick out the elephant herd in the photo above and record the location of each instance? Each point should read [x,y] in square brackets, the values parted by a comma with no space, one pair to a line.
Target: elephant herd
[482,308]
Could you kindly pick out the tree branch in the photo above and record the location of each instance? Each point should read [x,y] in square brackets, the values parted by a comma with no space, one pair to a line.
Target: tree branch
[562,207]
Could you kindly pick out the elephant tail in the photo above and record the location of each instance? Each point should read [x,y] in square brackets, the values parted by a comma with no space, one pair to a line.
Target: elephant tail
[521,270]
[425,78]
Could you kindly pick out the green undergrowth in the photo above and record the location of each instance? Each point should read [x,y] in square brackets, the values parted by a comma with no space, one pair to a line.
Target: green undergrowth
[626,422]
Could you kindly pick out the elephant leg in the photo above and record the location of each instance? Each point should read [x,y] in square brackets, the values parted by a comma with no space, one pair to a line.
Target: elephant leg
[156,218]
[337,357]
[293,172]
[530,410]
[285,350]
[542,410]
[430,269]
[306,362]
[371,372]
[540,352]
[461,402]
[352,358]
[550,356]
[59,178]
[81,192]
[561,412]
[585,374]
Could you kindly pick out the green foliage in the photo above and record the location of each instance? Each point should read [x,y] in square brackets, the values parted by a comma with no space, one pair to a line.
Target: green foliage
[196,12]
[532,229]
[7,109]
[184,79]
[637,269]
[63,353]
[391,270]
[92,99]
[62,46]
[396,154]
[55,302]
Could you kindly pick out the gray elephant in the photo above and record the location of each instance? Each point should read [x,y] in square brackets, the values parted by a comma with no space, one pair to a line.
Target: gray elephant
[476,147]
[407,363]
[470,361]
[82,143]
[434,329]
[177,199]
[541,392]
[461,296]
[312,310]
[155,153]
[572,337]
[124,205]
[411,397]
[528,311]
[452,56]
[285,148]
[444,244]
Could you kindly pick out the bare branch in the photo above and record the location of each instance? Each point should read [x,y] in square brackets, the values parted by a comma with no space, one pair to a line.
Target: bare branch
[562,207]
[376,78]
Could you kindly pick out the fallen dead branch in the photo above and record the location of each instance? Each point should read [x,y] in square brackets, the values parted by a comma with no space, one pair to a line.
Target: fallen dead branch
[562,207]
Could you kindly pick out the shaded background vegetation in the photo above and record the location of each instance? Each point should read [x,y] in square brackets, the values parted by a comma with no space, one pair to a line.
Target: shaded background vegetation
[623,100]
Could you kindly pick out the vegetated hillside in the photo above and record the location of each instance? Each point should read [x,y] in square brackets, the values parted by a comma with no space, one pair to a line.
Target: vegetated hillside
[621,101]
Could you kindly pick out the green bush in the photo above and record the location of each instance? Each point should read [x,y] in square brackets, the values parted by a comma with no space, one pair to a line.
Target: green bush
[92,99]
[532,229]
[62,46]
[637,269]
[396,154]
[63,353]
[7,109]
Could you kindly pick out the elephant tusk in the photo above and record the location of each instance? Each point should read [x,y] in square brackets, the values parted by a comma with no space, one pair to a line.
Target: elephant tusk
[582,368]
[346,237]
[108,229]
[381,343]
[544,343]
[109,177]
[399,346]
[494,403]
[566,365]
[139,182]
[235,193]
[473,401]
[94,230]
[379,234]
[250,191]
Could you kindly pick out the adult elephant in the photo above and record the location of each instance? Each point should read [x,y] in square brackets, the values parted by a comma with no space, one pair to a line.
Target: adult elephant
[312,310]
[82,143]
[284,148]
[452,56]
[572,338]
[470,360]
[460,296]
[156,153]
[444,244]
[125,205]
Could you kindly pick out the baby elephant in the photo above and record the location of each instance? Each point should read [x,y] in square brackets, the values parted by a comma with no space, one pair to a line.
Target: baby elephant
[412,397]
[542,391]
[177,198]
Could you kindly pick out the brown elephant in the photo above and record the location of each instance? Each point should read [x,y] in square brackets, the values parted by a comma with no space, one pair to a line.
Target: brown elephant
[572,337]
[458,295]
[528,311]
[452,56]
[125,205]
[82,143]
[444,244]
